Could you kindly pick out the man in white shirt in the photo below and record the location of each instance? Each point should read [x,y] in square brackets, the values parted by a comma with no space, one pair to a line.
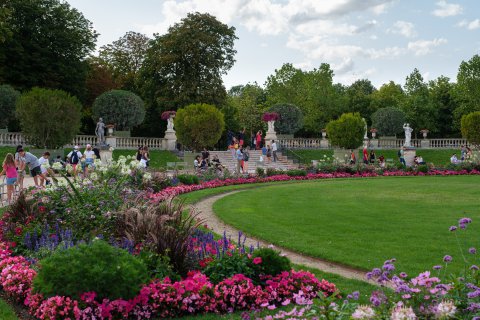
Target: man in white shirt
[74,159]
[454,159]
[274,151]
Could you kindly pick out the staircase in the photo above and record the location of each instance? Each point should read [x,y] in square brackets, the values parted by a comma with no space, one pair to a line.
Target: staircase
[283,163]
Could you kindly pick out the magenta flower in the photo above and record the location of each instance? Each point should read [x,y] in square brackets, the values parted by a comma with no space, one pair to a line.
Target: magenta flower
[257,260]
[447,259]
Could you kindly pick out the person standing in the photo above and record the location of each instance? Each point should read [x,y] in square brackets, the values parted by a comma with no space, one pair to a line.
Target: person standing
[372,156]
[258,140]
[20,165]
[274,151]
[401,155]
[206,155]
[239,156]
[74,158]
[33,165]
[241,137]
[246,157]
[10,170]
[365,155]
[44,165]
[89,159]
[353,158]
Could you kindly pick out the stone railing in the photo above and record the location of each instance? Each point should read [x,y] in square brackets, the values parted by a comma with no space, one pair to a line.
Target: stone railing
[83,141]
[135,142]
[303,143]
[12,139]
[447,143]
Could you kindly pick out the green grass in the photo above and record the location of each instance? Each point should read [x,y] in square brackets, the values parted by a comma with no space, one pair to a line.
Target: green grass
[440,157]
[362,222]
[6,311]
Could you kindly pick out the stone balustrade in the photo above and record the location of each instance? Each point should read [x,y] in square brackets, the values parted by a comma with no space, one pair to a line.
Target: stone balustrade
[302,143]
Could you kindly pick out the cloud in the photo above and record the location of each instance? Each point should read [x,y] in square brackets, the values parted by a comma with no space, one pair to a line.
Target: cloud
[470,25]
[404,28]
[447,9]
[343,67]
[423,47]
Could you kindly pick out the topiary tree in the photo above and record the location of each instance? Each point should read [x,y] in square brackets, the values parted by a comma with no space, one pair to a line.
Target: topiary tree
[49,118]
[199,125]
[123,108]
[388,121]
[347,131]
[291,118]
[8,99]
[471,128]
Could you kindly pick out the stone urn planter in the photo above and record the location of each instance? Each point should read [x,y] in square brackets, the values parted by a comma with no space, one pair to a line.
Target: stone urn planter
[110,129]
[424,133]
[324,134]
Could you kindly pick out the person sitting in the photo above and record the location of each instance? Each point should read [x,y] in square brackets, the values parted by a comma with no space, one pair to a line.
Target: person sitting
[453,159]
[204,165]
[217,164]
[420,160]
[196,163]
[372,156]
[415,160]
[381,161]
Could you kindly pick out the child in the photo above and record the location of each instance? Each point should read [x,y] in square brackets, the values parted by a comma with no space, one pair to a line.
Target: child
[10,171]
[44,165]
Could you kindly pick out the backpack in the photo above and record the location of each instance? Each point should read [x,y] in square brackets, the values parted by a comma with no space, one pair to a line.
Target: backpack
[74,159]
[399,154]
[246,156]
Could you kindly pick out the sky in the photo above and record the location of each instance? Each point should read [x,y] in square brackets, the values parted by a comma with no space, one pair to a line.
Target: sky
[380,40]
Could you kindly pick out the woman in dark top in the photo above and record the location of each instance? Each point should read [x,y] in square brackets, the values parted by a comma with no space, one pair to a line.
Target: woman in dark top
[372,156]
[139,153]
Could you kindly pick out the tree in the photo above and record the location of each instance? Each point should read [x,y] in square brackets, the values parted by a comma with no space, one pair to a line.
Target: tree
[442,98]
[347,131]
[8,99]
[388,121]
[250,104]
[417,106]
[359,95]
[471,128]
[186,65]
[49,118]
[199,126]
[124,57]
[467,90]
[389,95]
[291,118]
[123,108]
[48,46]
[5,31]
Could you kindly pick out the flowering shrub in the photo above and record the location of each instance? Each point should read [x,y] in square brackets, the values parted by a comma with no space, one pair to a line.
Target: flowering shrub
[270,116]
[167,114]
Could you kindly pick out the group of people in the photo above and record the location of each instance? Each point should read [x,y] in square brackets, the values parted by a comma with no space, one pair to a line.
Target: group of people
[465,154]
[143,156]
[367,157]
[203,162]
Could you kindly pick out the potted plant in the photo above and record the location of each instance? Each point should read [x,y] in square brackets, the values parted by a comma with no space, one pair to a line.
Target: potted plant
[324,133]
[110,129]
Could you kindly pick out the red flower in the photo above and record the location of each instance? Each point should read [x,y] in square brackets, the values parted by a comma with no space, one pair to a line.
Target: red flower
[12,244]
[42,209]
[257,260]
[18,231]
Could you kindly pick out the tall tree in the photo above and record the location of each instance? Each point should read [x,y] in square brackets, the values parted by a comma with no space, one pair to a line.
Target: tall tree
[5,31]
[359,96]
[48,45]
[186,65]
[250,105]
[467,90]
[388,95]
[442,99]
[124,57]
[417,106]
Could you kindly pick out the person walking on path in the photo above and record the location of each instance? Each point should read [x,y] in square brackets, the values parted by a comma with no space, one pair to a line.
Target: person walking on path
[33,165]
[44,165]
[274,151]
[74,158]
[353,158]
[10,170]
[88,159]
[239,156]
[241,137]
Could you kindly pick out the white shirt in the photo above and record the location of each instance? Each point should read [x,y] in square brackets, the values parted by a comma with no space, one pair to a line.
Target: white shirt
[43,160]
[79,154]
[453,159]
[274,146]
[89,154]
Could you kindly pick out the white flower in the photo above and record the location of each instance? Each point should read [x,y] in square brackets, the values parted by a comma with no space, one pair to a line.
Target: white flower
[363,312]
[147,176]
[57,166]
[134,163]
[129,157]
[97,162]
[46,165]
[93,176]
[69,168]
[403,313]
[445,310]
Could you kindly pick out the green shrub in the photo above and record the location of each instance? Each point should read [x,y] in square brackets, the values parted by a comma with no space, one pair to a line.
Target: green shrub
[111,272]
[8,99]
[388,121]
[296,172]
[228,266]
[158,266]
[471,127]
[272,172]
[188,179]
[272,263]
[422,168]
[291,118]
[260,172]
[347,131]
[123,108]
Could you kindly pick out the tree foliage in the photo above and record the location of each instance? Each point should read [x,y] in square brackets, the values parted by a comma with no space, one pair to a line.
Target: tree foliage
[249,101]
[186,64]
[347,131]
[123,108]
[47,47]
[442,98]
[199,125]
[8,99]
[49,118]
[471,128]
[124,57]
[467,89]
[388,121]
[291,118]
[359,95]
[388,95]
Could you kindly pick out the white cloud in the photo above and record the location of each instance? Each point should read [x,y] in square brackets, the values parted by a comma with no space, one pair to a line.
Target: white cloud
[470,25]
[423,47]
[404,28]
[447,9]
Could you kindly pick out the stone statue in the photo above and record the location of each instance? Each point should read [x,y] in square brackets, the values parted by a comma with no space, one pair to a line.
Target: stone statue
[365,136]
[170,123]
[100,131]
[271,126]
[408,135]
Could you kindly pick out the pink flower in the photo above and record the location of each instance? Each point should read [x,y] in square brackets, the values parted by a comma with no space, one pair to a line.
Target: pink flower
[257,260]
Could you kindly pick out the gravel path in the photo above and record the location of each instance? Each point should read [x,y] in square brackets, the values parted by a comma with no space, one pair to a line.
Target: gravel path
[205,210]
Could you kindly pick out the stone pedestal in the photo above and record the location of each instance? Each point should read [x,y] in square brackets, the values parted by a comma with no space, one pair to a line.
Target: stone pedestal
[111,141]
[324,143]
[374,143]
[409,156]
[425,143]
[269,136]
[171,138]
[106,156]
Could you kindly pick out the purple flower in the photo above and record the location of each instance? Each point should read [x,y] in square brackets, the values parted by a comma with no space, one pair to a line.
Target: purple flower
[388,267]
[473,294]
[437,267]
[447,258]
[355,295]
[472,250]
[403,275]
[465,221]
[452,228]
[376,272]
[474,267]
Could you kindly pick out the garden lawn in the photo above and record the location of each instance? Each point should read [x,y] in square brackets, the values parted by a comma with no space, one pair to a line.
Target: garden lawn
[6,311]
[439,157]
[362,222]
